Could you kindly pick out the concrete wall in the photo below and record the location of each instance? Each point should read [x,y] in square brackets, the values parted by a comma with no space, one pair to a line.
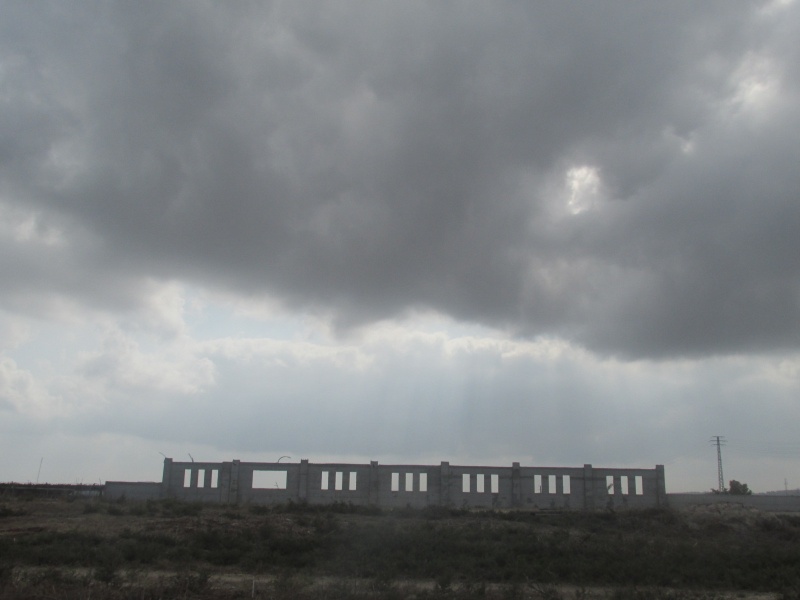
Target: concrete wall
[765,503]
[418,486]
[131,490]
[393,486]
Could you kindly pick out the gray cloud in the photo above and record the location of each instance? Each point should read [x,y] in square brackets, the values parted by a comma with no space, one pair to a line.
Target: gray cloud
[364,160]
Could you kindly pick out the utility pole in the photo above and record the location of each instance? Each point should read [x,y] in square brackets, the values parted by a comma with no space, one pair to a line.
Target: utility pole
[719,441]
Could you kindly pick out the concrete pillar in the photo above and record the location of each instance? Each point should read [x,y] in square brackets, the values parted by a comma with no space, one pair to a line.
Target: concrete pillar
[661,486]
[302,480]
[516,485]
[444,486]
[560,485]
[233,489]
[207,478]
[166,478]
[588,487]
[617,485]
[374,489]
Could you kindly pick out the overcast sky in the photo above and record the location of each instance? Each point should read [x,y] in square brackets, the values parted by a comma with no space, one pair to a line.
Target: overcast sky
[549,232]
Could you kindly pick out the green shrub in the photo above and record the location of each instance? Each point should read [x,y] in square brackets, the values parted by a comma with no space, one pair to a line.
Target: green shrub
[7,511]
[91,508]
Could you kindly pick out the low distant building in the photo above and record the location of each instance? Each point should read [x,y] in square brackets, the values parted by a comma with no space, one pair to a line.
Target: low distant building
[393,486]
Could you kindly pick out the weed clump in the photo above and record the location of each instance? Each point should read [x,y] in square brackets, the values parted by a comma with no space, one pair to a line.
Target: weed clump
[459,553]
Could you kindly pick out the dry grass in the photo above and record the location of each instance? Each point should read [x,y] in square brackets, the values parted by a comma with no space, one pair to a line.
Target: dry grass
[55,548]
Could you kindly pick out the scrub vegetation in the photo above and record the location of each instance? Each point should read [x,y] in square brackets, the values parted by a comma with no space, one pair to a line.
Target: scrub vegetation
[59,548]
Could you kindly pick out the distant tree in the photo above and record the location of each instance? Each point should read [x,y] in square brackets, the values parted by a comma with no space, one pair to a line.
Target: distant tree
[738,489]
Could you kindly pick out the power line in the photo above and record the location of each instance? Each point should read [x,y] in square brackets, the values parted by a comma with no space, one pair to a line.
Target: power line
[772,448]
[719,441]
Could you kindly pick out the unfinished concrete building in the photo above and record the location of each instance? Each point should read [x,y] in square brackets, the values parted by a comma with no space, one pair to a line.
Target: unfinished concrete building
[394,486]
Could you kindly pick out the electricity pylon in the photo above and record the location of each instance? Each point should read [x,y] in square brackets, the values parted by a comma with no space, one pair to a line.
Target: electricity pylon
[719,441]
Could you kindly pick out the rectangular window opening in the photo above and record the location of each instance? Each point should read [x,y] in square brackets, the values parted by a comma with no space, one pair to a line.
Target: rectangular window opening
[566,485]
[551,484]
[269,480]
[409,482]
[338,480]
[610,484]
[214,478]
[537,484]
[465,483]
[623,485]
[479,487]
[187,478]
[423,482]
[351,484]
[495,478]
[324,485]
[201,478]
[395,482]
[639,485]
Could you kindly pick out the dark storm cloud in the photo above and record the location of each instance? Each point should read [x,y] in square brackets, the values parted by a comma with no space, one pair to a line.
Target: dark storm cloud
[366,159]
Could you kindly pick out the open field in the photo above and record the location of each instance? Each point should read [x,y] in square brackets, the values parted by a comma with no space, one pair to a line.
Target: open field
[75,548]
